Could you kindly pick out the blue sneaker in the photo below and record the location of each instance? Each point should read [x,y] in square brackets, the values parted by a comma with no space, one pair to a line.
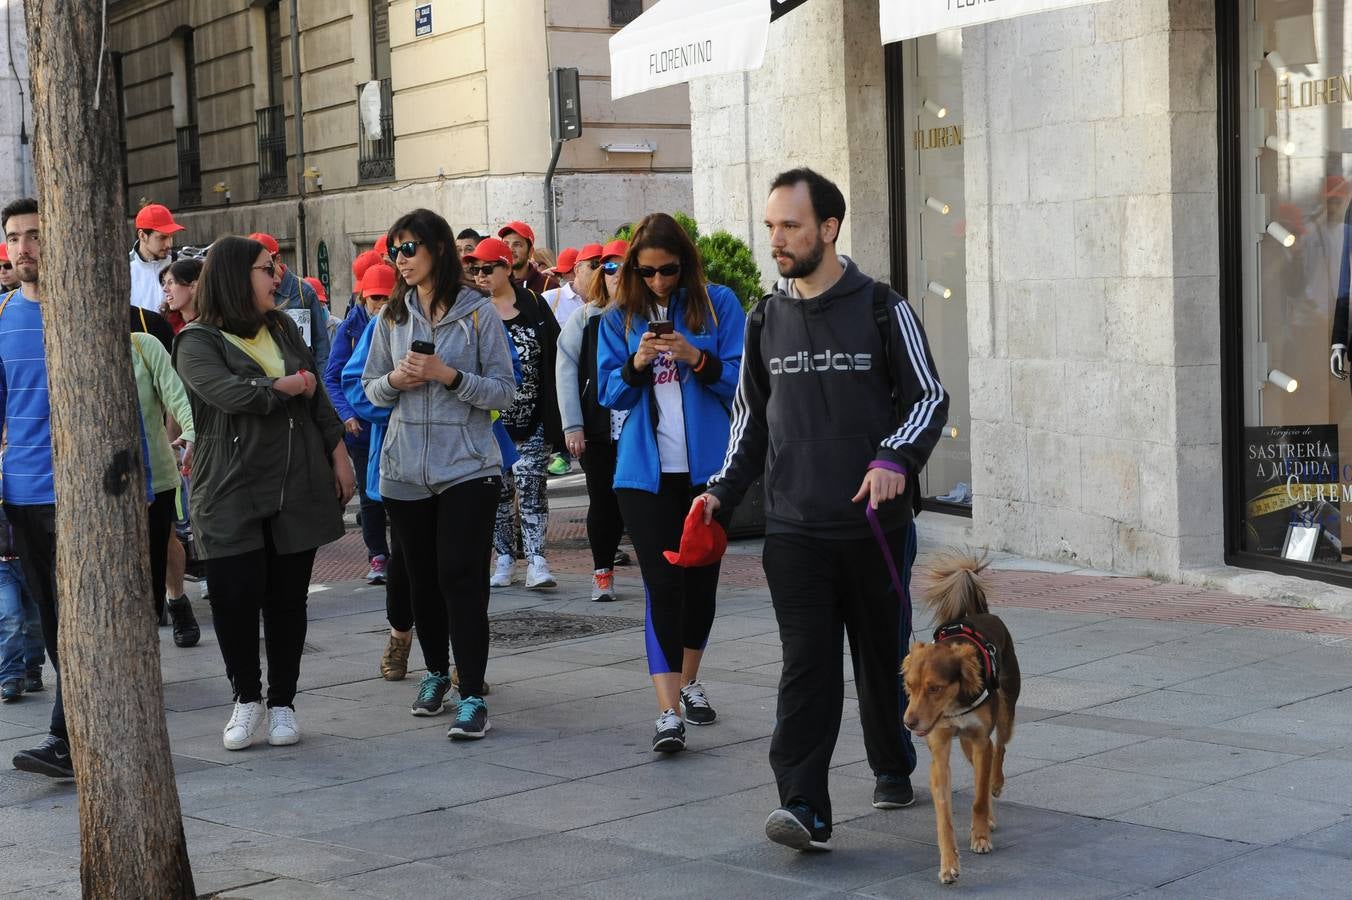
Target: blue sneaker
[797,826]
[471,722]
[431,694]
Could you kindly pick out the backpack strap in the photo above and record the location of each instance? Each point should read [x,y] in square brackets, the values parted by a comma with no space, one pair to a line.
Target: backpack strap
[882,317]
[5,302]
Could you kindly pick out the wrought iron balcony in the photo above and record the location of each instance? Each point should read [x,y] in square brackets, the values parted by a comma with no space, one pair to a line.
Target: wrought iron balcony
[375,151]
[272,151]
[189,166]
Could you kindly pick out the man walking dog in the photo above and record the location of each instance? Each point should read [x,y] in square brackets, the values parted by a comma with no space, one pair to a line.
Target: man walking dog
[839,404]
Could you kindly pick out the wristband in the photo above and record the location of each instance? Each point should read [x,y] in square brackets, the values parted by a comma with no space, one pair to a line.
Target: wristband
[703,358]
[889,466]
[455,382]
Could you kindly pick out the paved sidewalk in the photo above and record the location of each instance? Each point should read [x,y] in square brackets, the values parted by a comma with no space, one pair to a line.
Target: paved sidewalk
[1171,742]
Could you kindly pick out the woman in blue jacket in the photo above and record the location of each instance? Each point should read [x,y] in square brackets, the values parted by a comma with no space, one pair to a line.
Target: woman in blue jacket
[670,350]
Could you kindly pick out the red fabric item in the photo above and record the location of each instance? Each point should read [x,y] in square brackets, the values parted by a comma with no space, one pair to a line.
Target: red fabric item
[382,245]
[268,241]
[567,259]
[615,248]
[492,250]
[591,251]
[365,260]
[378,282]
[318,286]
[701,545]
[156,217]
[520,228]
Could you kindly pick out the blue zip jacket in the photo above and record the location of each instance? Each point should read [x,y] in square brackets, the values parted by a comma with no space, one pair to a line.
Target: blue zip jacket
[293,293]
[345,340]
[377,418]
[706,396]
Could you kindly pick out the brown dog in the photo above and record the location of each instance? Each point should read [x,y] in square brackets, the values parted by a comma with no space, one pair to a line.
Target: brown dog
[965,684]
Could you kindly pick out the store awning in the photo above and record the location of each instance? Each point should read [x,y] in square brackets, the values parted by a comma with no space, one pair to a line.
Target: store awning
[677,40]
[905,19]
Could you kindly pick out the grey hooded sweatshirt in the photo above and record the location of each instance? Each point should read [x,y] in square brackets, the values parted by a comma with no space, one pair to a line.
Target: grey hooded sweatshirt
[438,437]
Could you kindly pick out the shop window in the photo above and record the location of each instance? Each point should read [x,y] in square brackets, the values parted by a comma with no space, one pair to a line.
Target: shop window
[1296,193]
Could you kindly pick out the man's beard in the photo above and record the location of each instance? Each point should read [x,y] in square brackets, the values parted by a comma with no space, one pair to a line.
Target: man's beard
[805,265]
[28,273]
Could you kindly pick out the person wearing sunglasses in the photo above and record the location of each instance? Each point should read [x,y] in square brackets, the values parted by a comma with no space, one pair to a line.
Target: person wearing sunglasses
[531,419]
[669,352]
[440,466]
[271,476]
[590,430]
[299,301]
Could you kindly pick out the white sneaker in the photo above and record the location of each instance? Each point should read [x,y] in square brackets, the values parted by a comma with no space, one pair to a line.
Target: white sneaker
[245,725]
[537,574]
[502,572]
[282,727]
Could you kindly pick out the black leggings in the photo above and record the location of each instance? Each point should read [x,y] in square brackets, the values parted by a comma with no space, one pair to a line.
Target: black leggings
[398,602]
[160,517]
[680,601]
[278,586]
[445,541]
[605,525]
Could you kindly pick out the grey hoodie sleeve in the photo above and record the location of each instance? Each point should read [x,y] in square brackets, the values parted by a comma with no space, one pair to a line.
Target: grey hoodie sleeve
[565,370]
[375,378]
[495,386]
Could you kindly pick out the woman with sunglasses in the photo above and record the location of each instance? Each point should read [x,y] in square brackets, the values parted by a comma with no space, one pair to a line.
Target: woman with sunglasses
[270,478]
[438,360]
[532,419]
[590,430]
[670,352]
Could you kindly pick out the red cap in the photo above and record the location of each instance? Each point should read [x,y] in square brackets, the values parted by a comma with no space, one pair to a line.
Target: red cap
[268,241]
[382,245]
[615,248]
[378,282]
[156,217]
[567,260]
[4,252]
[318,286]
[365,260]
[701,545]
[591,251]
[520,228]
[492,250]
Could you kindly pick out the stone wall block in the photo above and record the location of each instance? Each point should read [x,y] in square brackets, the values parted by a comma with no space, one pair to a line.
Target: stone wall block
[1146,84]
[1148,404]
[1063,162]
[1160,510]
[1076,537]
[1038,393]
[1046,97]
[1132,156]
[1121,20]
[1032,320]
[1194,158]
[1195,226]
[1148,245]
[1198,407]
[1000,459]
[1142,551]
[989,389]
[1093,398]
[1040,242]
[1098,82]
[1200,507]
[1098,236]
[1009,167]
[1081,319]
[1197,320]
[1140,320]
[1110,479]
[1057,30]
[1192,71]
[1053,476]
[1004,524]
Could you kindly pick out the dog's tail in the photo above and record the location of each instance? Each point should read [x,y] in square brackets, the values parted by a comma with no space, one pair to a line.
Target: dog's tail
[956,588]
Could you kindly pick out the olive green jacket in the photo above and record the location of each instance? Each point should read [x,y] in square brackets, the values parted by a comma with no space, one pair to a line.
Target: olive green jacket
[261,457]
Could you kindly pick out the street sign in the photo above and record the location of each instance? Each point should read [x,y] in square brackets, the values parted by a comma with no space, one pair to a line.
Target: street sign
[422,20]
[323,255]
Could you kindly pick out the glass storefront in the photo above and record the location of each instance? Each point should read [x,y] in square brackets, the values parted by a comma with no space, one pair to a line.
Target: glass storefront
[1295,174]
[935,227]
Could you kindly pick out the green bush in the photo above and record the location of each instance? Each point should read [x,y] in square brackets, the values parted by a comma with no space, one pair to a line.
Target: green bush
[727,259]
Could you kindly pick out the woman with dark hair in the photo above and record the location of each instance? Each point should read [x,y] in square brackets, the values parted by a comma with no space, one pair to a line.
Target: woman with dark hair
[179,280]
[670,349]
[590,430]
[270,478]
[439,361]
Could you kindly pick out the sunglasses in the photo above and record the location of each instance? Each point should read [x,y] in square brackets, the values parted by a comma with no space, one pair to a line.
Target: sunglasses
[270,270]
[408,248]
[5,265]
[646,272]
[612,267]
[482,270]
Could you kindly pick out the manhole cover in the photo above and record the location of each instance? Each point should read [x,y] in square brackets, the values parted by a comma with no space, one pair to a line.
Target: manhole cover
[527,629]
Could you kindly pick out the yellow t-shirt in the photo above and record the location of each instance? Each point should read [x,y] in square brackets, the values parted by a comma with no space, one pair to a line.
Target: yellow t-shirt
[262,349]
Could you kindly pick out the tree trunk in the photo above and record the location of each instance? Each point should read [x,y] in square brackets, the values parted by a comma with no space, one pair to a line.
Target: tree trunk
[131,830]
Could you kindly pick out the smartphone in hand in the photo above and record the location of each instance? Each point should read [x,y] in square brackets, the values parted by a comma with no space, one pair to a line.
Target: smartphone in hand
[663,328]
[427,348]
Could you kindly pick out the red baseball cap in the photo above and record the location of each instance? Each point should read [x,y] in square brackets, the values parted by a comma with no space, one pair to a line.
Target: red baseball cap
[4,252]
[382,245]
[318,286]
[378,282]
[268,241]
[591,251]
[365,260]
[520,228]
[567,260]
[492,250]
[615,248]
[701,545]
[156,217]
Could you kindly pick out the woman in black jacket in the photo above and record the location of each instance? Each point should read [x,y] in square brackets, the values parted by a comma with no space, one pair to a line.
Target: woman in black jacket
[270,478]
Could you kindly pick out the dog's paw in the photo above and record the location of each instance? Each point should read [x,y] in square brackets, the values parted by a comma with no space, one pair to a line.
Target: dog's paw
[948,875]
[997,787]
[981,843]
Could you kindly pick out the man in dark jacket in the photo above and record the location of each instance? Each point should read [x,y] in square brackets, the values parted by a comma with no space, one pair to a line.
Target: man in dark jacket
[840,405]
[520,237]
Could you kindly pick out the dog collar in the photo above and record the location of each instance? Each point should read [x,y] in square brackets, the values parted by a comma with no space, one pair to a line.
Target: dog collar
[990,665]
[980,699]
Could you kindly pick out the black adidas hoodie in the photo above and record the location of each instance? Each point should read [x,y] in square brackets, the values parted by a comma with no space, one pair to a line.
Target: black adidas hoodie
[814,407]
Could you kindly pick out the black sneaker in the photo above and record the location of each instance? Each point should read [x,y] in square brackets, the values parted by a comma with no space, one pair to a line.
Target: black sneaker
[11,690]
[32,681]
[670,734]
[471,720]
[892,792]
[622,558]
[186,632]
[797,826]
[695,705]
[50,758]
[431,695]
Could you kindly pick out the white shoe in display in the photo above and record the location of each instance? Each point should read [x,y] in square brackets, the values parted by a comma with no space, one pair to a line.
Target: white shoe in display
[502,572]
[282,727]
[245,725]
[537,574]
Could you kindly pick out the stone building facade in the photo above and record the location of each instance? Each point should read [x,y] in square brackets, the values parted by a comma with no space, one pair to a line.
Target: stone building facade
[1078,322]
[459,88]
[16,115]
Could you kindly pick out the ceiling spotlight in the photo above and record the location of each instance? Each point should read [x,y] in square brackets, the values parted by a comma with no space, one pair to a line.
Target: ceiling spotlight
[937,205]
[1279,233]
[939,290]
[1277,145]
[935,108]
[1280,379]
